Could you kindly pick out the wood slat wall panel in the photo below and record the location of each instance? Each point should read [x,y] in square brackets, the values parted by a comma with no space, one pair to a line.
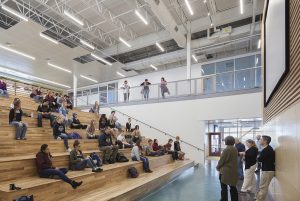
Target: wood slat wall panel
[289,91]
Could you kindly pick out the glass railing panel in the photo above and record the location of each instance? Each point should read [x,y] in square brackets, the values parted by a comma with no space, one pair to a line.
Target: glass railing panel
[224,82]
[183,88]
[244,79]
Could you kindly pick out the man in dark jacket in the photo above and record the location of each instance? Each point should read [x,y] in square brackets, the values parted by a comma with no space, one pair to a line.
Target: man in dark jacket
[106,145]
[241,149]
[267,158]
[46,169]
[59,131]
[44,111]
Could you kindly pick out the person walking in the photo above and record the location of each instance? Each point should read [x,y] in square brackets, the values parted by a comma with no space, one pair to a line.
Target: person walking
[163,87]
[126,90]
[228,169]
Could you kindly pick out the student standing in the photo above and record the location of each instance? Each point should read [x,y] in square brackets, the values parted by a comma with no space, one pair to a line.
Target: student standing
[126,90]
[228,169]
[136,155]
[163,87]
[267,159]
[15,119]
[46,169]
[146,89]
[240,148]
[249,184]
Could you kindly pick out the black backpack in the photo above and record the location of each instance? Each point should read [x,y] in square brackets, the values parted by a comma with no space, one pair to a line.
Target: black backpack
[121,158]
[132,172]
[25,198]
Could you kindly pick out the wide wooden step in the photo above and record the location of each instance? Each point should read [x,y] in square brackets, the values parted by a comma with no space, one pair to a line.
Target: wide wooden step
[51,189]
[19,167]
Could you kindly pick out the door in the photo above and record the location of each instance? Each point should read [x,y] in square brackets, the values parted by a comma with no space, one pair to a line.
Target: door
[214,142]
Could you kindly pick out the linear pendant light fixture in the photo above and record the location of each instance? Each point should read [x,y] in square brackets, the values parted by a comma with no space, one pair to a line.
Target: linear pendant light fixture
[72,17]
[194,57]
[242,6]
[188,5]
[11,11]
[141,17]
[58,67]
[17,52]
[125,42]
[87,44]
[154,67]
[258,44]
[90,79]
[122,75]
[49,38]
[101,59]
[159,46]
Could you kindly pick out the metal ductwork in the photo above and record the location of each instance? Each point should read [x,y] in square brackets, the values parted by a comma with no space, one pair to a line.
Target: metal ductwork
[165,17]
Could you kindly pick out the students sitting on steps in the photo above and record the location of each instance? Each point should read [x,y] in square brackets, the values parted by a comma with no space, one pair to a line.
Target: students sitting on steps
[78,162]
[90,131]
[168,149]
[15,119]
[44,111]
[76,123]
[106,145]
[150,151]
[46,169]
[59,131]
[136,155]
[121,141]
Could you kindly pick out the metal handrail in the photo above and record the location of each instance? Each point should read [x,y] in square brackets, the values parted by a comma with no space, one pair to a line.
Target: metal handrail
[163,132]
[246,133]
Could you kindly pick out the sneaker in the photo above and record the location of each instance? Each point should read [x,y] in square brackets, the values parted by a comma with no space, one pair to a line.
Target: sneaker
[148,171]
[58,138]
[97,170]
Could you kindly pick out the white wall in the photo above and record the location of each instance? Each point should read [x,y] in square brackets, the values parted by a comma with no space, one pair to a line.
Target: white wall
[186,118]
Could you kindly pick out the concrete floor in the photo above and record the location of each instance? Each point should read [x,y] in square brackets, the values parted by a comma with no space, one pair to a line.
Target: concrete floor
[195,184]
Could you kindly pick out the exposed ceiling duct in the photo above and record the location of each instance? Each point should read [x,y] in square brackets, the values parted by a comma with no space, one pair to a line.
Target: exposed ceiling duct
[165,17]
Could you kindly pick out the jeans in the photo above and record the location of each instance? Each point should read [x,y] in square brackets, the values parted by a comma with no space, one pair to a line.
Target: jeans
[96,158]
[126,97]
[109,152]
[65,137]
[118,125]
[38,98]
[240,168]
[224,192]
[145,162]
[85,162]
[146,94]
[61,173]
[68,122]
[21,129]
[3,92]
[46,116]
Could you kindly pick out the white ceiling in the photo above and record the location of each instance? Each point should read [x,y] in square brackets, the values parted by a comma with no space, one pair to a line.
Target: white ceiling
[24,36]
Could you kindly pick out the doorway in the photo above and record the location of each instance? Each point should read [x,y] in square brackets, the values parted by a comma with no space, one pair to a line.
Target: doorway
[214,142]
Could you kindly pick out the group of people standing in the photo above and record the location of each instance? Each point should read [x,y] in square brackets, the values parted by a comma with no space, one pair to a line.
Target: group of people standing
[230,167]
[145,91]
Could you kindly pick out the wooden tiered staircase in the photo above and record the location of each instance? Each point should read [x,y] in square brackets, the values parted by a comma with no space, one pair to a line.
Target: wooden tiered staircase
[17,165]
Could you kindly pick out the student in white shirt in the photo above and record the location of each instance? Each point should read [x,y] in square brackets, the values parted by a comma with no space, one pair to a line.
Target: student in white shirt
[126,90]
[136,155]
[121,141]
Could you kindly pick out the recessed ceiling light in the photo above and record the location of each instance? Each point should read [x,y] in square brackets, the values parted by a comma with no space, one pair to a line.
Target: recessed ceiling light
[188,5]
[17,52]
[58,67]
[87,44]
[154,67]
[89,78]
[101,59]
[8,9]
[141,17]
[208,13]
[49,38]
[75,19]
[159,46]
[122,75]
[125,42]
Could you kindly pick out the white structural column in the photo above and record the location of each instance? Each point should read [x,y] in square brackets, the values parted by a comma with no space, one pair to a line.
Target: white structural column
[74,89]
[188,51]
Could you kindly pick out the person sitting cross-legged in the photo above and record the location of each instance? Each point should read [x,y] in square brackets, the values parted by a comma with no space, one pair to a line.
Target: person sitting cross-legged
[136,155]
[46,169]
[76,123]
[106,145]
[78,162]
[90,131]
[44,111]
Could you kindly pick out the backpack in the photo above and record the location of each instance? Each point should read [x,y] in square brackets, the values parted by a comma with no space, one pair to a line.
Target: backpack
[121,158]
[132,172]
[25,198]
